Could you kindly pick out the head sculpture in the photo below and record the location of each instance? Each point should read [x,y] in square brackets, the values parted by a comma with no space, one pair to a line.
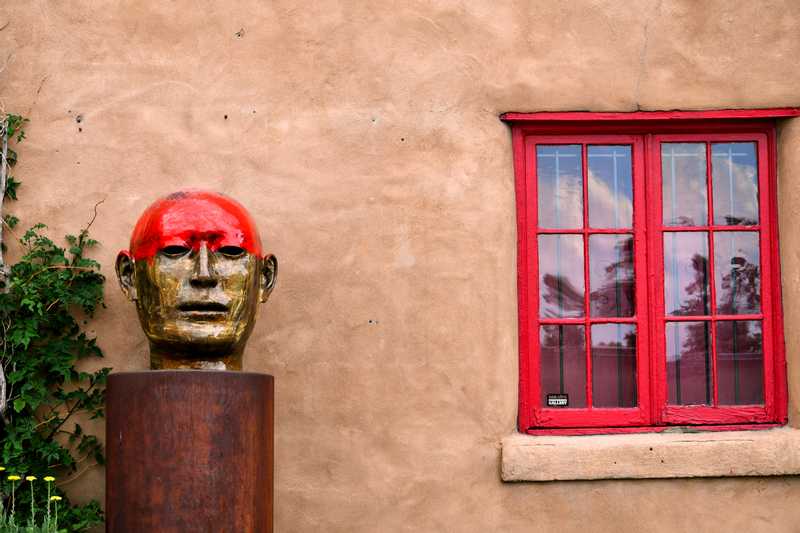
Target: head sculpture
[197,273]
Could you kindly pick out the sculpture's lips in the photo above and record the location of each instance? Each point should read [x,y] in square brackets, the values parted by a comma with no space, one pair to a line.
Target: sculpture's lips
[203,307]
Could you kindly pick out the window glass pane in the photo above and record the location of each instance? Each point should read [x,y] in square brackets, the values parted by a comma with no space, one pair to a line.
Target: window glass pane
[737,274]
[610,190]
[683,172]
[563,363]
[686,289]
[740,362]
[611,275]
[734,174]
[561,288]
[614,365]
[560,186]
[688,363]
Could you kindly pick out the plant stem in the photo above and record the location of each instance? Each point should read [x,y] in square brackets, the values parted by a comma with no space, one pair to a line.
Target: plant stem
[33,506]
[3,174]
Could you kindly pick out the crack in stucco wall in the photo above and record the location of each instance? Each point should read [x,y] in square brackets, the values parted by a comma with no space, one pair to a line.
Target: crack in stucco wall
[643,54]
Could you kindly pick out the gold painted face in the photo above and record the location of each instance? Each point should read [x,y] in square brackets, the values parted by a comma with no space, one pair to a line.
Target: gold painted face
[196,295]
[198,299]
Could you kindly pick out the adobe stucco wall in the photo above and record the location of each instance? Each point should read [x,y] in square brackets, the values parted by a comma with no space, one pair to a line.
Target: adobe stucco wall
[365,139]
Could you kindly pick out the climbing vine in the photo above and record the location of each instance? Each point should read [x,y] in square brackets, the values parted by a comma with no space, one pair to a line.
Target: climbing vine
[46,296]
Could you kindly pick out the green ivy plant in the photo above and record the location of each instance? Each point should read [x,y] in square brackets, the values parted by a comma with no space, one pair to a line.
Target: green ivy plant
[49,294]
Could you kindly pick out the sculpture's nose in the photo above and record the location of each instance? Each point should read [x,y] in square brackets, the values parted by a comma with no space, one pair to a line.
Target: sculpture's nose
[203,275]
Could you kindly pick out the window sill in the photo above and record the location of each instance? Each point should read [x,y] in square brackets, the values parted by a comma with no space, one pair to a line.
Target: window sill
[773,452]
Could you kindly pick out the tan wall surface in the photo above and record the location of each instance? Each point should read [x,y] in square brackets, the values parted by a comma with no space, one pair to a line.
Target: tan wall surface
[365,139]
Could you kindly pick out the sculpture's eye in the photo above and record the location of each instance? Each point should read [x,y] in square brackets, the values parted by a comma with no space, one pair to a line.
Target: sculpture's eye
[175,251]
[232,252]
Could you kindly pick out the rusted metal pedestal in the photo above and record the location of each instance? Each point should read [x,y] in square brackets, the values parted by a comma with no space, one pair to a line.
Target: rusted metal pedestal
[189,451]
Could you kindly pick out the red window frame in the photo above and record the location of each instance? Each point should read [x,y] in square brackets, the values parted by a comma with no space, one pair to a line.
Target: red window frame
[644,131]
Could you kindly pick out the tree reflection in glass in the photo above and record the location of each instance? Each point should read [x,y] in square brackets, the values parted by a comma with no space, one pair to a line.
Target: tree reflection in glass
[736,272]
[611,275]
[739,352]
[686,292]
[686,287]
[561,289]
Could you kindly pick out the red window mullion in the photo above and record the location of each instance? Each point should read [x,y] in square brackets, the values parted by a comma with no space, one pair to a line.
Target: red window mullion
[713,318]
[529,337]
[641,275]
[768,169]
[586,287]
[697,414]
[590,320]
[709,228]
[712,309]
[655,254]
[770,308]
[550,231]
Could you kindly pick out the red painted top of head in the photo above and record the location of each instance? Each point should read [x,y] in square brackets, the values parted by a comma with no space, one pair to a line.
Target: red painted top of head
[186,218]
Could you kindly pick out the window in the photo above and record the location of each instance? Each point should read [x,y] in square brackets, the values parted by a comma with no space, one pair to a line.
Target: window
[649,284]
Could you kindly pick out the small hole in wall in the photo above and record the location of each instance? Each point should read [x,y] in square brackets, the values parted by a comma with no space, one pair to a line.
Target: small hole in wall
[402,139]
[372,321]
[225,117]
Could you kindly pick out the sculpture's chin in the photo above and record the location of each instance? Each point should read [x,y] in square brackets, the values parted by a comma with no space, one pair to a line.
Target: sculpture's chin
[209,348]
[195,339]
[197,346]
[195,364]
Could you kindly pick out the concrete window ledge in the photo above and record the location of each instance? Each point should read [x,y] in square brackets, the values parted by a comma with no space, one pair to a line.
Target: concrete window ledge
[773,452]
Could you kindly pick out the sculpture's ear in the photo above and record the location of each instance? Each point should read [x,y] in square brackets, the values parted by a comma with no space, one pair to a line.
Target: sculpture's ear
[269,271]
[125,274]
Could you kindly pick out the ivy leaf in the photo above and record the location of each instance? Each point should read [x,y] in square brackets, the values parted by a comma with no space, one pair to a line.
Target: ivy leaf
[11,187]
[10,220]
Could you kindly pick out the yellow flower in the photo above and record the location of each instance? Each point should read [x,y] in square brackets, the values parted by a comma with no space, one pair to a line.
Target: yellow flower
[55,498]
[30,478]
[14,478]
[2,468]
[49,478]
